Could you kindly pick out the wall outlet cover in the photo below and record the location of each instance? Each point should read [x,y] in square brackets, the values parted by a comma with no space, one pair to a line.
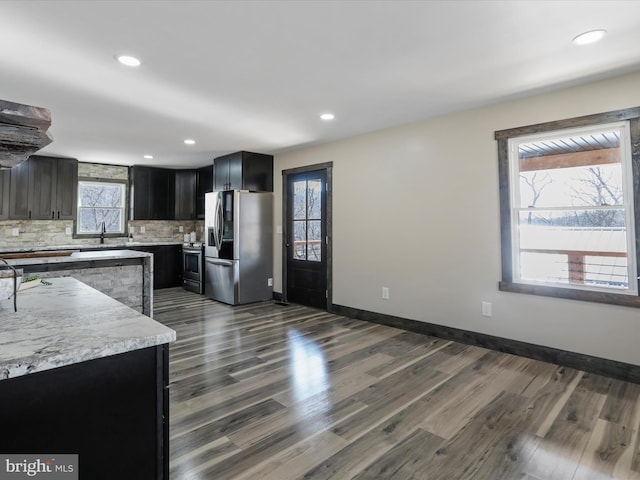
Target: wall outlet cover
[15,232]
[142,229]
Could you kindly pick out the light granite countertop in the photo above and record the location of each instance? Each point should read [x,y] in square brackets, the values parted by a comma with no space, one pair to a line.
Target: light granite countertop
[106,246]
[79,257]
[69,322]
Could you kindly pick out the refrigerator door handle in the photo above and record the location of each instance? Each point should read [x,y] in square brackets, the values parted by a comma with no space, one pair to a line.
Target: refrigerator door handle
[219,224]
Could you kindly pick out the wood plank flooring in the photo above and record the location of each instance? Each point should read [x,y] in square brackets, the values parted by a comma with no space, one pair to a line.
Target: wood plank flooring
[276,392]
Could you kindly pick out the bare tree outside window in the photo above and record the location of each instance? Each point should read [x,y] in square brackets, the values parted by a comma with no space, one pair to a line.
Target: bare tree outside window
[100,202]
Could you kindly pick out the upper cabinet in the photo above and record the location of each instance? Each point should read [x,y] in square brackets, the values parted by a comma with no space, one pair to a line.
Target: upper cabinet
[204,184]
[162,194]
[152,193]
[185,195]
[243,171]
[44,188]
[67,189]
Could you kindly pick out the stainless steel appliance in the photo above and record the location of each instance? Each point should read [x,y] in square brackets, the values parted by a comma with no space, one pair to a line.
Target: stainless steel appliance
[193,268]
[239,246]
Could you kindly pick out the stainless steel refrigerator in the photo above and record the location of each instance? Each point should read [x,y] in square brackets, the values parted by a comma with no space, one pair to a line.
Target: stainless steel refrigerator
[239,246]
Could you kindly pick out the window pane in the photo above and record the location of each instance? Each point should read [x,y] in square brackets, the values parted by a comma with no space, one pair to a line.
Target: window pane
[314,236]
[314,208]
[572,187]
[300,240]
[300,200]
[101,194]
[586,247]
[90,220]
[100,202]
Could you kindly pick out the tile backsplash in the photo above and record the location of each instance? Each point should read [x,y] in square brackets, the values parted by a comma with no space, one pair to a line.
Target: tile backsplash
[45,233]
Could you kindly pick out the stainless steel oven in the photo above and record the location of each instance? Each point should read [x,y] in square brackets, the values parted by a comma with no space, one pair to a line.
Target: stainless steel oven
[193,268]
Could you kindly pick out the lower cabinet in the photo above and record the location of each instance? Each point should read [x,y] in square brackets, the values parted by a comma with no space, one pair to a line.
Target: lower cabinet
[167,264]
[113,412]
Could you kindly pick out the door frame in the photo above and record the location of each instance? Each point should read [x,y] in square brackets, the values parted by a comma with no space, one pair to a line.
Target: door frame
[328,168]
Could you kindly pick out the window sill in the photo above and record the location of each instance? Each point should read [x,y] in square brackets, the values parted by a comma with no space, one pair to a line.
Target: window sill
[571,294]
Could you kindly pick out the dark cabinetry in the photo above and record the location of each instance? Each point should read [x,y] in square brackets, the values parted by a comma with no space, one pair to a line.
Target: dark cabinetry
[113,412]
[167,264]
[44,188]
[152,193]
[67,189]
[185,195]
[243,171]
[204,184]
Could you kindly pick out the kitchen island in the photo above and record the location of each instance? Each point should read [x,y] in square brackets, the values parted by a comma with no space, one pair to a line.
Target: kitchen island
[81,373]
[125,275]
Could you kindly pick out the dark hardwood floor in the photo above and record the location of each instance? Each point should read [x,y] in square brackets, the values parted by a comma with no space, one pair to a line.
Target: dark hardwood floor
[267,391]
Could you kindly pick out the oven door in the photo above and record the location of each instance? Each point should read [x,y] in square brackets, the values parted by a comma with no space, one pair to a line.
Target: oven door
[191,264]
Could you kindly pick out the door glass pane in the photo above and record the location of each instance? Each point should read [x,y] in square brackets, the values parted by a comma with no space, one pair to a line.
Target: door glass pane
[300,240]
[314,206]
[314,241]
[300,200]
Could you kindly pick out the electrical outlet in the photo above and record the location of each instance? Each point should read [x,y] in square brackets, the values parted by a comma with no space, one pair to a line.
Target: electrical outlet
[385,293]
[132,229]
[15,232]
[181,229]
[486,309]
[67,230]
[269,282]
[142,229]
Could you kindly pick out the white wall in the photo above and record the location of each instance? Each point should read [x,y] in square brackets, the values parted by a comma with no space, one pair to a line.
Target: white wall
[416,209]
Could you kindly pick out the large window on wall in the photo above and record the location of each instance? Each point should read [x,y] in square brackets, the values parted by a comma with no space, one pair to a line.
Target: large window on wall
[569,208]
[101,202]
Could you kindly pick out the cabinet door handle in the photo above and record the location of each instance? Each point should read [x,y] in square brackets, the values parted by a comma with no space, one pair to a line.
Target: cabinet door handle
[58,214]
[53,215]
[29,214]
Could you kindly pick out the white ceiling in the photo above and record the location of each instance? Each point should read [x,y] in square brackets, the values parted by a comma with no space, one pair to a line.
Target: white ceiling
[256,75]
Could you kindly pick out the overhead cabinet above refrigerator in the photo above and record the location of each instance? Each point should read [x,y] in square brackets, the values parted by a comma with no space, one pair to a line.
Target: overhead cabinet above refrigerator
[243,171]
[239,246]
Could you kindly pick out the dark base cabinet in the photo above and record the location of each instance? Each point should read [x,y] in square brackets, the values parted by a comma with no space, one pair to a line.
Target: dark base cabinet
[167,264]
[113,412]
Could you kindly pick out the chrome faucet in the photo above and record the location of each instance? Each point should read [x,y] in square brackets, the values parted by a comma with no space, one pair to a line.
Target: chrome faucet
[103,230]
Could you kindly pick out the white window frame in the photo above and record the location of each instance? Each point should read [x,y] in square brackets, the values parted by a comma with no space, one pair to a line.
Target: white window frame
[123,208]
[627,204]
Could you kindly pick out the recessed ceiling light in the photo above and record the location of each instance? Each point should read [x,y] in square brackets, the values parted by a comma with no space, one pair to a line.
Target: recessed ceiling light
[128,60]
[148,157]
[327,116]
[189,141]
[592,36]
